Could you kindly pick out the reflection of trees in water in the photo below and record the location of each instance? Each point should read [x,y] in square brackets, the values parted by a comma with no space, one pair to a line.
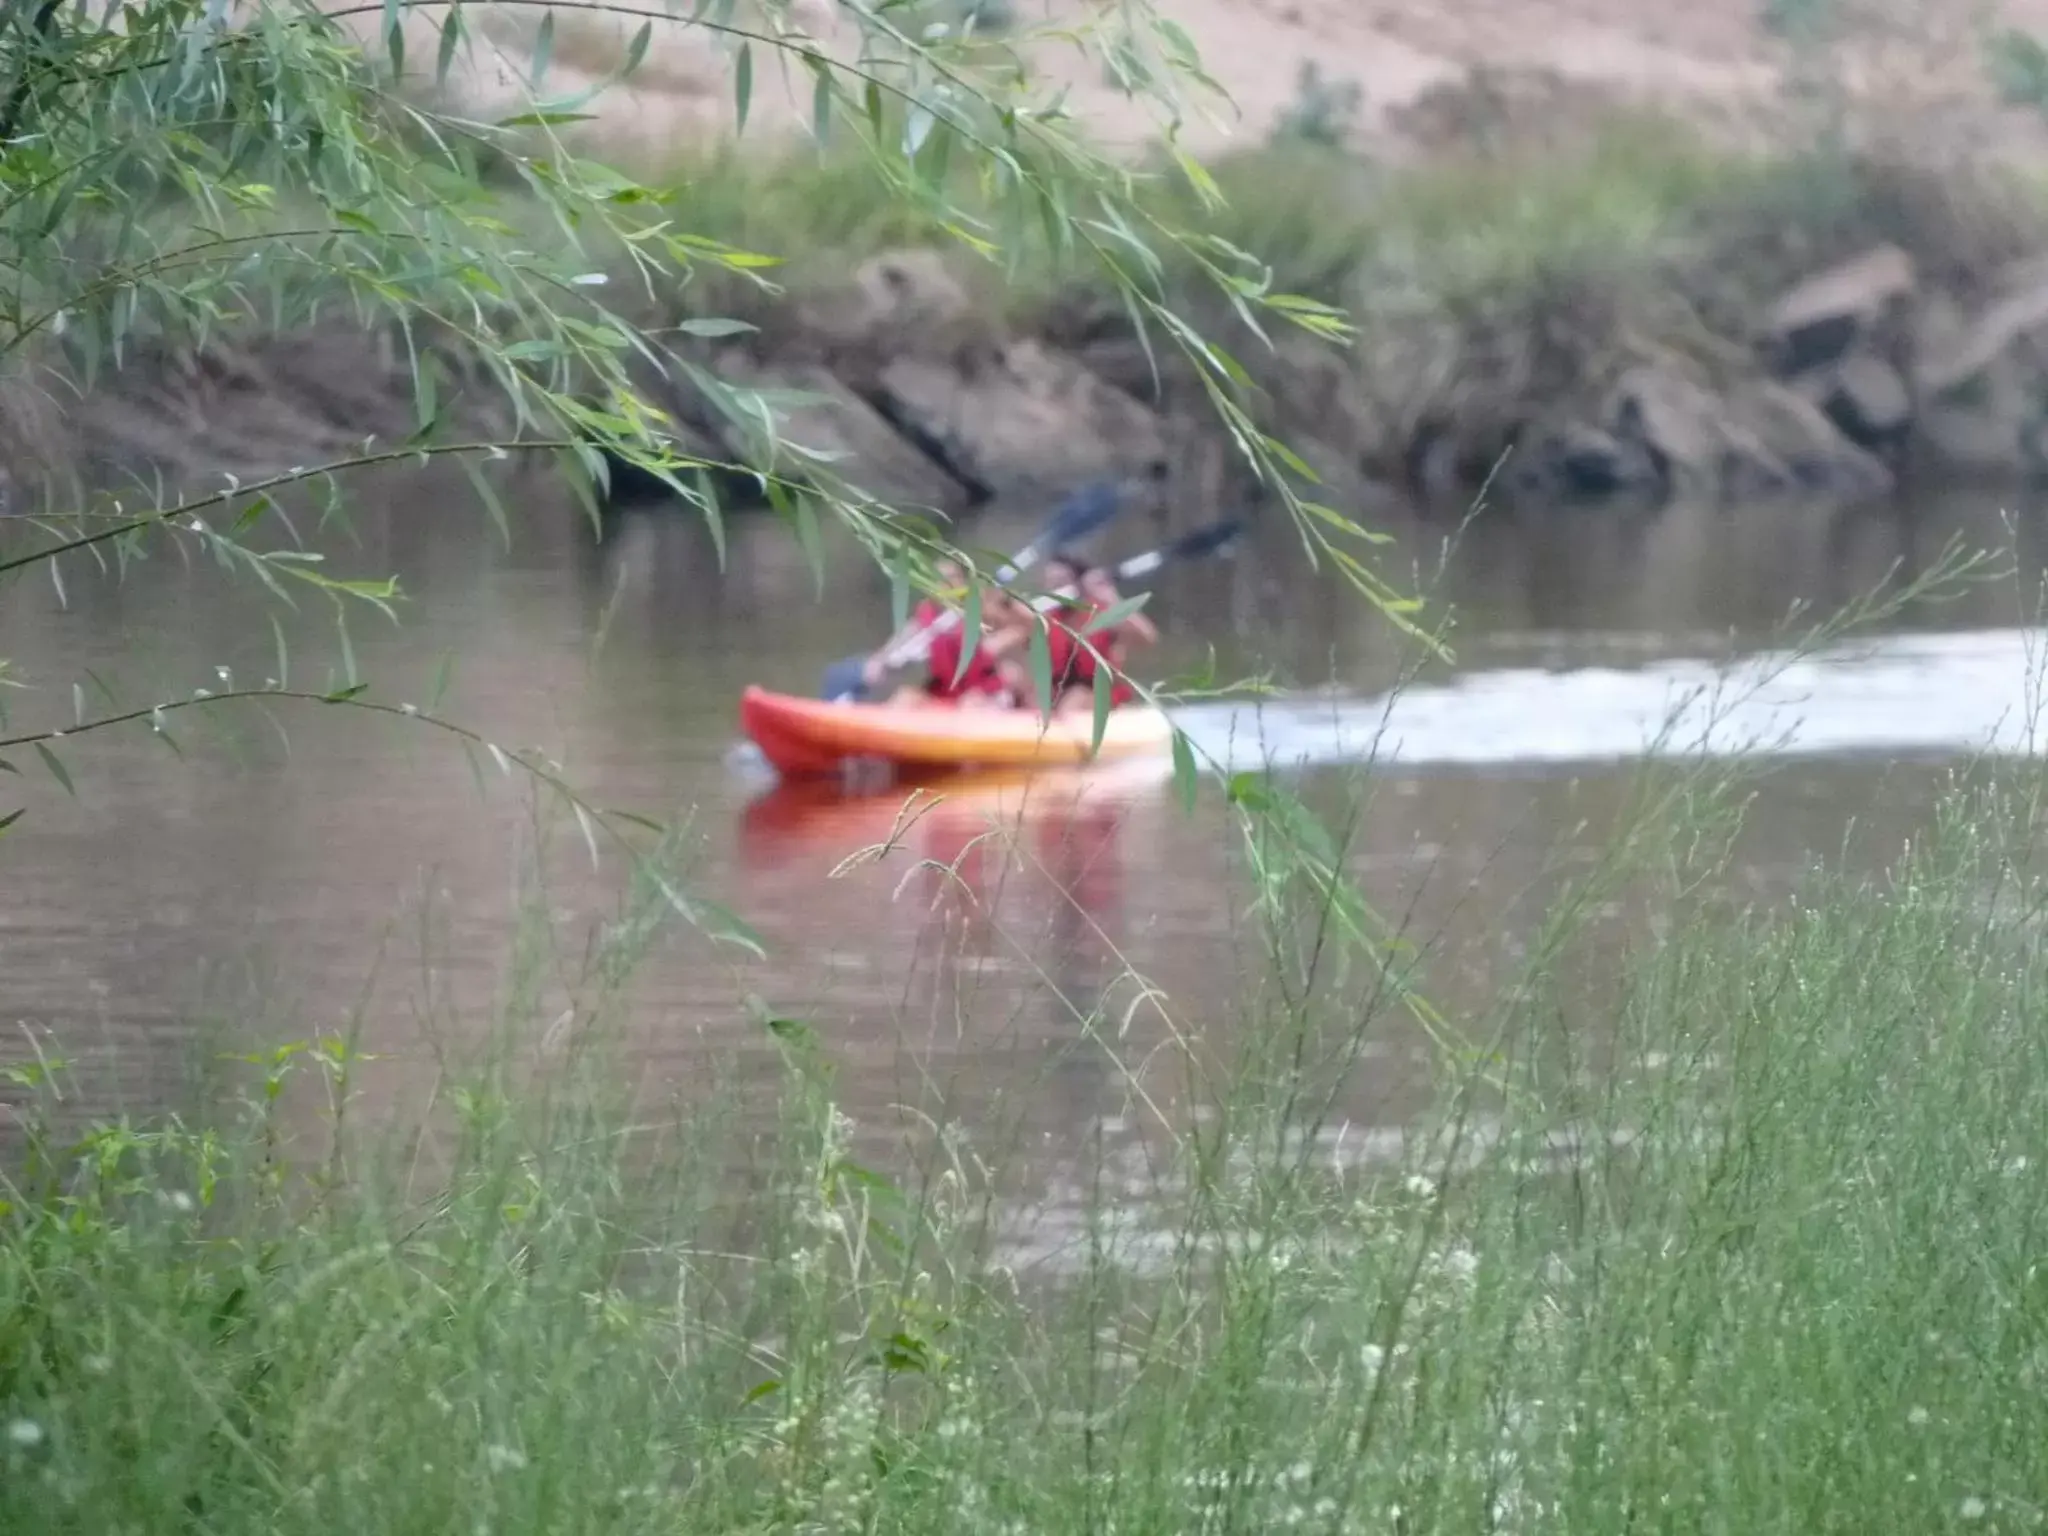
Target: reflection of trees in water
[1680,571]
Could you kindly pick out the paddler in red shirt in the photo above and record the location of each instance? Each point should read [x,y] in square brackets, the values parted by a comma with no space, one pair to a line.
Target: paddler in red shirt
[994,679]
[1112,642]
[928,612]
[1061,574]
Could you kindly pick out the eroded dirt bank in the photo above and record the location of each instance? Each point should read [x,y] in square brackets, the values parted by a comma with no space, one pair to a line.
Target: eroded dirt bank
[1545,308]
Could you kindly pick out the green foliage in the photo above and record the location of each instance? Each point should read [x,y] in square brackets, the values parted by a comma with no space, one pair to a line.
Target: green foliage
[1322,112]
[983,16]
[1759,1254]
[1801,21]
[183,178]
[2018,65]
[1747,1238]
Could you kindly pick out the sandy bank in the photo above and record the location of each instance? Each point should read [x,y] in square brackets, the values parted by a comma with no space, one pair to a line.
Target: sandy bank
[1747,70]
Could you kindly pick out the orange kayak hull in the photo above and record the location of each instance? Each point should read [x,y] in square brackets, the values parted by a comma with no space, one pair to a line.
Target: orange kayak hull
[811,737]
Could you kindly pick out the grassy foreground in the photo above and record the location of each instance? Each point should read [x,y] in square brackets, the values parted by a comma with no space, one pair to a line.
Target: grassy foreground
[1758,1246]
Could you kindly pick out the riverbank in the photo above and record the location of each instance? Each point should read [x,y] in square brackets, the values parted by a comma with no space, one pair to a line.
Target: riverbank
[1638,312]
[1745,1237]
[1593,251]
[1630,310]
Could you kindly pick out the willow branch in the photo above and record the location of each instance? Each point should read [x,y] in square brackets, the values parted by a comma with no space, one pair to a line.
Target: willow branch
[17,99]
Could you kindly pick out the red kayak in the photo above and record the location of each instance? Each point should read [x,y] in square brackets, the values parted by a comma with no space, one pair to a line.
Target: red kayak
[808,737]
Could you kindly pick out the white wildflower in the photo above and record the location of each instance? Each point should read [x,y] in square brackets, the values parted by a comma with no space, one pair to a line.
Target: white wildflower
[1300,1472]
[1372,1357]
[1917,1417]
[504,1458]
[1459,1263]
[26,1433]
[1972,1508]
[1420,1186]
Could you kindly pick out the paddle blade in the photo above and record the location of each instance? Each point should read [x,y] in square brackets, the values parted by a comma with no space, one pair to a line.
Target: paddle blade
[1203,541]
[1087,510]
[844,679]
[1206,541]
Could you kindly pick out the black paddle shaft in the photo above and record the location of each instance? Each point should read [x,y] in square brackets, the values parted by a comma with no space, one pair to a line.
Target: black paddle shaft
[845,679]
[1087,510]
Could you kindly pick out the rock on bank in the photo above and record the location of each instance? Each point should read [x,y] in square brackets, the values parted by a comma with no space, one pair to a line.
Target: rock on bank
[1865,369]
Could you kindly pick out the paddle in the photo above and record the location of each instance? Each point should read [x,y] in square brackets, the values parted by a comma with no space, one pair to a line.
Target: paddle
[1192,546]
[1203,541]
[1086,511]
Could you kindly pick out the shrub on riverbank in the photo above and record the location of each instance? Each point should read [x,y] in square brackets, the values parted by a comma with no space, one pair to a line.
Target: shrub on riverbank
[1626,198]
[1747,1241]
[1610,309]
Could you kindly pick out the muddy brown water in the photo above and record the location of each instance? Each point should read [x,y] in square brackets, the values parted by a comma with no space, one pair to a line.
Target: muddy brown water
[325,871]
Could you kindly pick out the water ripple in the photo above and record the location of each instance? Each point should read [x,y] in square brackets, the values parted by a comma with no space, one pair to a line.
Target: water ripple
[1959,693]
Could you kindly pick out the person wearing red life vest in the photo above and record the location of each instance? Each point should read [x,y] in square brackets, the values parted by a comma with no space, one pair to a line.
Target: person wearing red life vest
[1076,665]
[1062,574]
[994,679]
[929,611]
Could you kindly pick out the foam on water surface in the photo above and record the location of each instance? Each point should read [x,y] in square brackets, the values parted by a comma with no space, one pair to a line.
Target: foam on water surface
[1961,693]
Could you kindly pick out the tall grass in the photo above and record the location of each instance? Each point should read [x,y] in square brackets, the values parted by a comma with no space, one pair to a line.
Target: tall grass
[1748,1238]
[1318,214]
[1636,196]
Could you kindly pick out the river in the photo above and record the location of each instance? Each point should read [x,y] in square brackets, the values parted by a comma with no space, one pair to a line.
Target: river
[332,871]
